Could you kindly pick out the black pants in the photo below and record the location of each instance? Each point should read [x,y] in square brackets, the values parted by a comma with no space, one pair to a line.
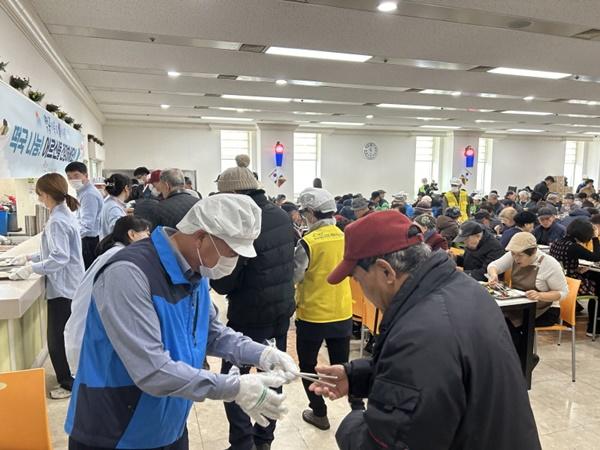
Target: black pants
[59,311]
[548,318]
[242,434]
[308,351]
[182,443]
[88,250]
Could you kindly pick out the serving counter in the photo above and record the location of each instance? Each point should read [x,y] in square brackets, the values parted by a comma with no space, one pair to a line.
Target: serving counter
[22,316]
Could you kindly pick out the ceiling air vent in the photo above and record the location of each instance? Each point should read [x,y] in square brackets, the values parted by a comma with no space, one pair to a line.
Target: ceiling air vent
[212,95]
[480,69]
[227,77]
[200,107]
[559,100]
[252,48]
[590,35]
[337,114]
[413,90]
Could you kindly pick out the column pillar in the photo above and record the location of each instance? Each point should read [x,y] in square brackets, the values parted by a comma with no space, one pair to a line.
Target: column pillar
[267,136]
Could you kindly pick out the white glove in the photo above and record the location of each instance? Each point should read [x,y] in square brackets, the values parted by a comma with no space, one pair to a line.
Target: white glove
[257,399]
[272,359]
[19,260]
[21,274]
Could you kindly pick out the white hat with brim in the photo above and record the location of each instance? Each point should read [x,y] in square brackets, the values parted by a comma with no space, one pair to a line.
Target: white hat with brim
[234,218]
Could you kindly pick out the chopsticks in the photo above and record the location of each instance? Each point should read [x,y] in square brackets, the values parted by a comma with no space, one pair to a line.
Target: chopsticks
[315,378]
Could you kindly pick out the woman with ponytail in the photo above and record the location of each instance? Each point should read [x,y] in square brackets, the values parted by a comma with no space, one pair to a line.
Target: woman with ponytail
[60,260]
[127,230]
[119,189]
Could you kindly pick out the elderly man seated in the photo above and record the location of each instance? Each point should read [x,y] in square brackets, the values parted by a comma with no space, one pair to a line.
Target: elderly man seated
[481,248]
[445,374]
[548,230]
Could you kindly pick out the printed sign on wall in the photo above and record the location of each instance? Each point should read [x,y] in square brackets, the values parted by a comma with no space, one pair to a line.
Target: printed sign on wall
[32,140]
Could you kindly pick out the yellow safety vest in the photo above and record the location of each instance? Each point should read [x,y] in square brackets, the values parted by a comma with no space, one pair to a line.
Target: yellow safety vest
[316,300]
[463,204]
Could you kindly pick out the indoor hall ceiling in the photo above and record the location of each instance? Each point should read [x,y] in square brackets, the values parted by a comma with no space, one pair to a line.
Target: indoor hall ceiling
[122,50]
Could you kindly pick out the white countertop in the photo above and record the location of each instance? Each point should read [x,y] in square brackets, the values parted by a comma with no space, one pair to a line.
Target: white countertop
[16,297]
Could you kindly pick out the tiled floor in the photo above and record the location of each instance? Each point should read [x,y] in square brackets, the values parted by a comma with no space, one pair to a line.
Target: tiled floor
[567,413]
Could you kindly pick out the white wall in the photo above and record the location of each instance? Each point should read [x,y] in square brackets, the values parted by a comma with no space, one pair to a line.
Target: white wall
[344,168]
[525,161]
[25,61]
[190,148]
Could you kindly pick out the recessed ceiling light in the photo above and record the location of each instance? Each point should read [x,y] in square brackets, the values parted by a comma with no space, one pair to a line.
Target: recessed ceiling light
[398,106]
[528,98]
[529,113]
[387,6]
[485,121]
[239,110]
[369,116]
[487,95]
[307,100]
[229,119]
[356,124]
[529,73]
[163,106]
[441,127]
[256,98]
[440,92]
[592,133]
[307,83]
[582,116]
[525,130]
[309,113]
[173,74]
[317,54]
[456,94]
[430,118]
[281,82]
[575,101]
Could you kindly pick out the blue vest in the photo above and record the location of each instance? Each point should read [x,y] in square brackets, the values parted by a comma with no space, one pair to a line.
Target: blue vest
[107,409]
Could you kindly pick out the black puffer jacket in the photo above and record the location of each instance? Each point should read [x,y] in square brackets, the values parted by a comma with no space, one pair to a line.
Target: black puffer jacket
[475,262]
[261,290]
[172,209]
[444,375]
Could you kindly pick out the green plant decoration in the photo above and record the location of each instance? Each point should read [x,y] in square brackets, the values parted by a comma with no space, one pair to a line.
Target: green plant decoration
[51,107]
[61,114]
[3,67]
[78,126]
[36,96]
[20,84]
[69,120]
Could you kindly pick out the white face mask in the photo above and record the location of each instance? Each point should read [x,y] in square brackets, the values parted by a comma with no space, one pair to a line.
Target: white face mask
[222,268]
[76,184]
[454,189]
[154,191]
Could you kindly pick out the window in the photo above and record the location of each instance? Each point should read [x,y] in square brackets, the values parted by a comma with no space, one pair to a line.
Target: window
[484,165]
[426,159]
[306,160]
[573,169]
[233,143]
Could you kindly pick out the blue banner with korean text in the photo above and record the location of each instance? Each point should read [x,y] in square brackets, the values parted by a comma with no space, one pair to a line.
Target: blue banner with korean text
[32,140]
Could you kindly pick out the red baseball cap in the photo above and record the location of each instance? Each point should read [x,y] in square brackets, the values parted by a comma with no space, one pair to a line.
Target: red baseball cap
[377,234]
[154,176]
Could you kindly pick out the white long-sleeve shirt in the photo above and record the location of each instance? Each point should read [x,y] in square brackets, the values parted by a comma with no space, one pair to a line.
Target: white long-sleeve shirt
[550,275]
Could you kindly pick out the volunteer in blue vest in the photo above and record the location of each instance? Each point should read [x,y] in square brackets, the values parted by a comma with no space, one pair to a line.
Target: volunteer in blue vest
[90,209]
[323,311]
[457,197]
[118,187]
[60,261]
[149,326]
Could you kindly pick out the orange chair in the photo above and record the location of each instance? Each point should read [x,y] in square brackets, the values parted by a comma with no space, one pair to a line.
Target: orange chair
[23,413]
[567,316]
[358,300]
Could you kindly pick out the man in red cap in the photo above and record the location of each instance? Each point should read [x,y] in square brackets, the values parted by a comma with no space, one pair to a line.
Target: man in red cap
[444,373]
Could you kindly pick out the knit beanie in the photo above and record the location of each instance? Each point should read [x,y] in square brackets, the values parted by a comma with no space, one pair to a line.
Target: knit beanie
[238,178]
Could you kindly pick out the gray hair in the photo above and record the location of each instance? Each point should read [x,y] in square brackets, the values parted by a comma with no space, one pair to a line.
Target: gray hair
[407,260]
[173,177]
[524,193]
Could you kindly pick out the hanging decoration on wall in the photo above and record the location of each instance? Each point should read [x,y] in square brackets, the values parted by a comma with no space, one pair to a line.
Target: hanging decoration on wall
[20,84]
[469,156]
[3,67]
[276,175]
[32,140]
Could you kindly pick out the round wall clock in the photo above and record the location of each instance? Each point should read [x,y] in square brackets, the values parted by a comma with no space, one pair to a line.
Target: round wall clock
[370,150]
